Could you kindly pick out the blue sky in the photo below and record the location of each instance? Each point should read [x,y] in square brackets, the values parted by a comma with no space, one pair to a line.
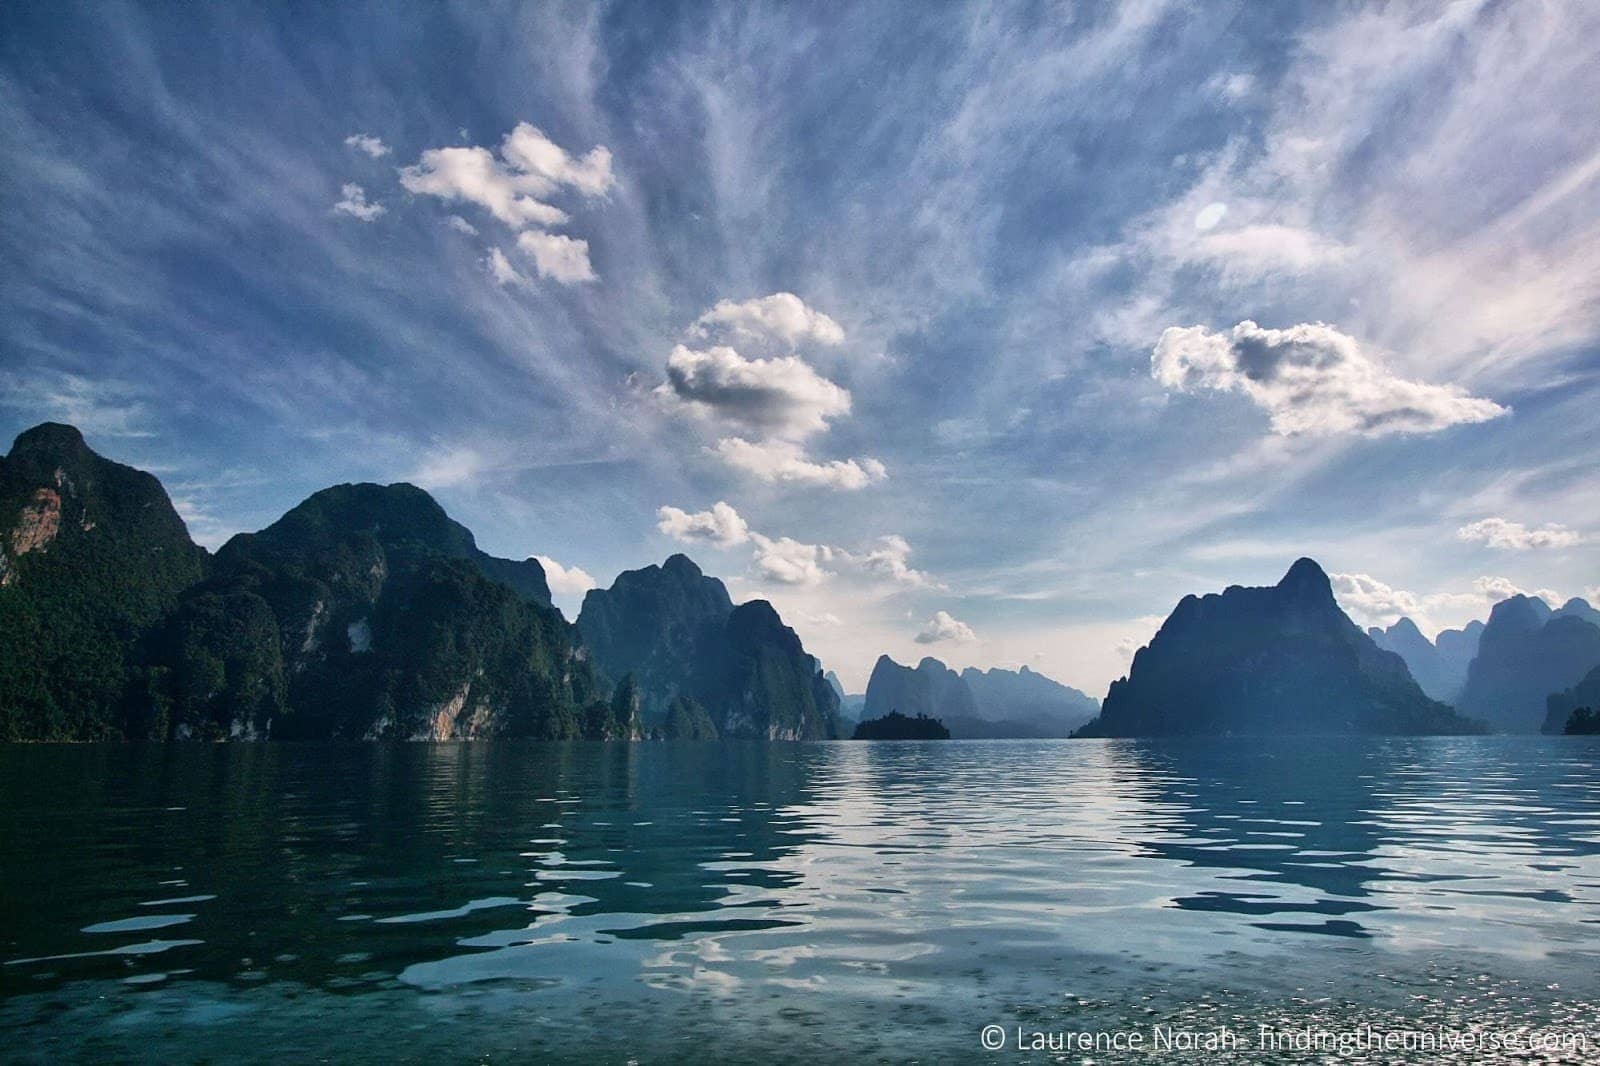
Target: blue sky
[982,331]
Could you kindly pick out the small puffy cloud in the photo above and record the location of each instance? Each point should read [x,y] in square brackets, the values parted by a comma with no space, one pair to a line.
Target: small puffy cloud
[514,186]
[790,562]
[473,175]
[780,460]
[557,257]
[721,525]
[1312,379]
[942,627]
[783,317]
[1514,536]
[1495,589]
[781,397]
[889,556]
[501,270]
[354,203]
[461,225]
[1372,600]
[529,151]
[565,580]
[364,142]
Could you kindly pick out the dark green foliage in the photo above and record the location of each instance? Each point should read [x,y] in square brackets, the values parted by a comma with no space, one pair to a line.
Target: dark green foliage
[687,720]
[364,612]
[388,634]
[91,553]
[214,671]
[1583,722]
[896,726]
[402,518]
[1275,660]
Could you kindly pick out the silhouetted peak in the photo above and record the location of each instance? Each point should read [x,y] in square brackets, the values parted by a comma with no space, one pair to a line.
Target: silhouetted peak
[55,439]
[679,563]
[1306,577]
[1405,627]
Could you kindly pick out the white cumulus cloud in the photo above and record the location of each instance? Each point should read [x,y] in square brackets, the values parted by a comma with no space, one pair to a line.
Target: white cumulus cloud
[790,562]
[514,186]
[721,525]
[942,627]
[780,460]
[781,397]
[557,256]
[1514,536]
[1312,380]
[783,317]
[354,203]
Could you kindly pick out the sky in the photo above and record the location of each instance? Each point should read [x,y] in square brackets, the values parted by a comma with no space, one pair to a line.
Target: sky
[979,331]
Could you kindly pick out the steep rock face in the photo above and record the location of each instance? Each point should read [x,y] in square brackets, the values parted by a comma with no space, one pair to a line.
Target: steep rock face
[91,552]
[769,686]
[655,624]
[677,633]
[385,623]
[1457,648]
[932,689]
[1280,659]
[1025,703]
[1527,652]
[1560,705]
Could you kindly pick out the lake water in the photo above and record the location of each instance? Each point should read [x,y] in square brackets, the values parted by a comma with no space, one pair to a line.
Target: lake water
[805,902]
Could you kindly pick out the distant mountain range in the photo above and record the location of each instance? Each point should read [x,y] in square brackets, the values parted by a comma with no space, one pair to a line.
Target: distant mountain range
[1273,660]
[977,704]
[367,612]
[1439,666]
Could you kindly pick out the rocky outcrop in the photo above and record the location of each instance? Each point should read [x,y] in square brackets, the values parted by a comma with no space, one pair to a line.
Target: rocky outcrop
[676,632]
[1528,652]
[1274,660]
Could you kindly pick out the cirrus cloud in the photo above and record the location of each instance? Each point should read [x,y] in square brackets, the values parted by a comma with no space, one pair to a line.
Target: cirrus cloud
[1312,380]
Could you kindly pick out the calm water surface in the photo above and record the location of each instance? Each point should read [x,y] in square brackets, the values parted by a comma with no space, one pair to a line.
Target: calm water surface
[702,902]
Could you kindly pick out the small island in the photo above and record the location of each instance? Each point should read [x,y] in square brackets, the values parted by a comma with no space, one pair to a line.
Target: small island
[896,726]
[1583,722]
